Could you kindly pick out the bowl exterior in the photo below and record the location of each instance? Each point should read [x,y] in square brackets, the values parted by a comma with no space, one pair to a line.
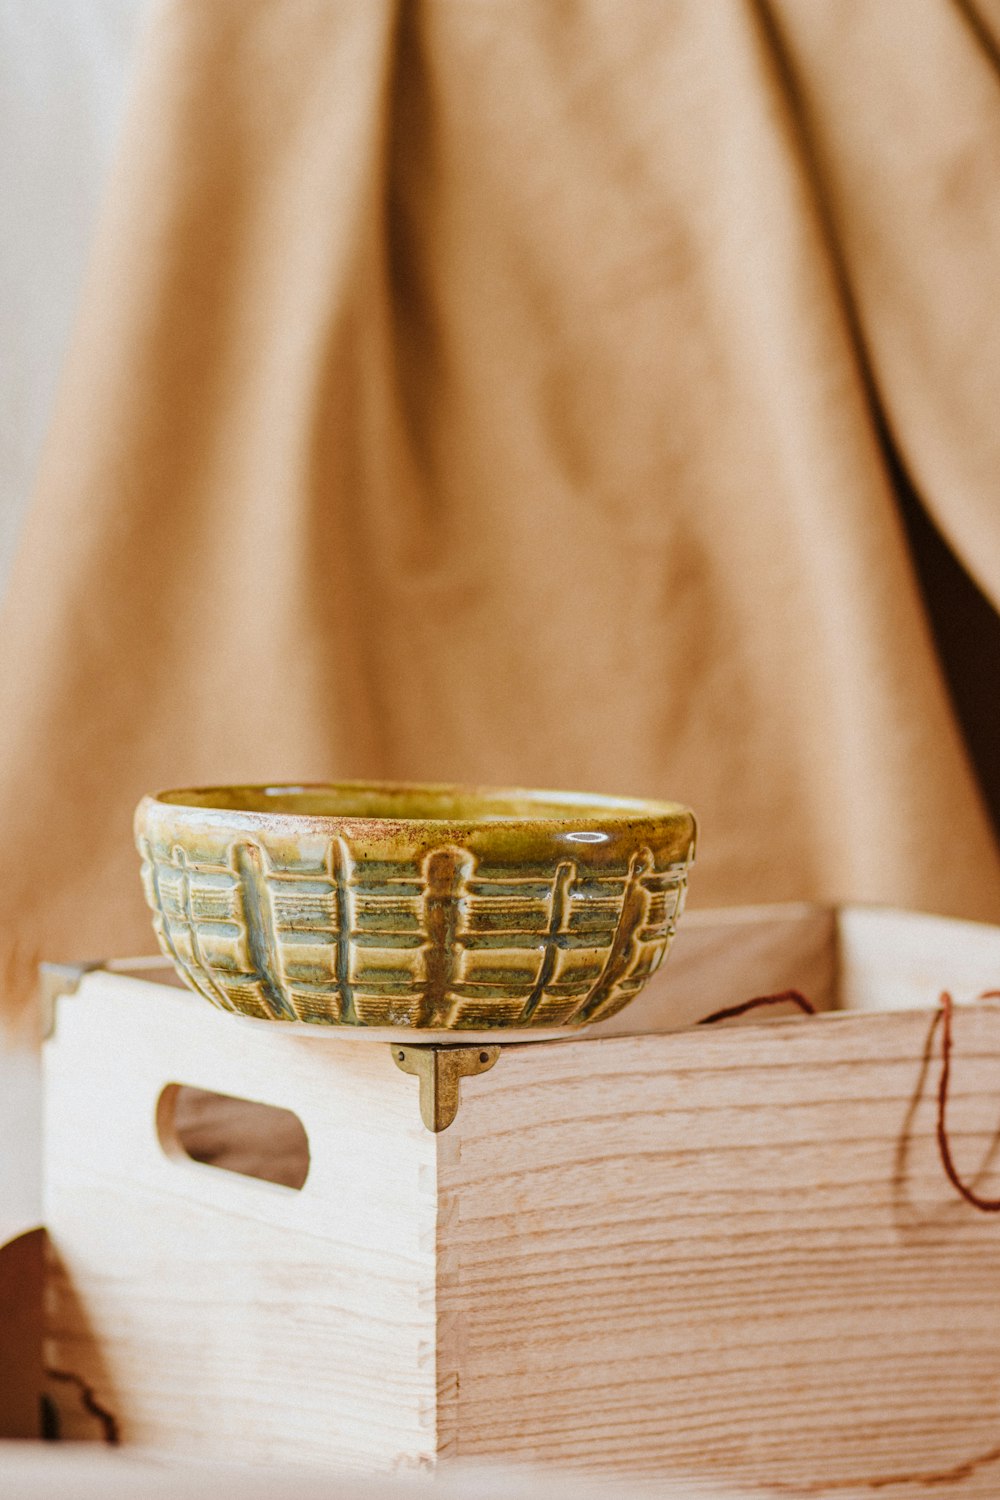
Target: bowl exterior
[413,925]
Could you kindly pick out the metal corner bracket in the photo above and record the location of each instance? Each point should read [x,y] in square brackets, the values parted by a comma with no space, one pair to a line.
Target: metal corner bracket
[440,1071]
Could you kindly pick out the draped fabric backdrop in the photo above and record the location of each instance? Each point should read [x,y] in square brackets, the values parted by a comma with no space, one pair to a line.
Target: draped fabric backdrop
[524,392]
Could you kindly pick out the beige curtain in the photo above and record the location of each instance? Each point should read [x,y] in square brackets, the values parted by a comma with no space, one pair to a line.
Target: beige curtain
[523,392]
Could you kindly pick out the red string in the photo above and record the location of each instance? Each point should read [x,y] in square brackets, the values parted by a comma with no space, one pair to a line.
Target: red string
[795,997]
[792,996]
[985,1205]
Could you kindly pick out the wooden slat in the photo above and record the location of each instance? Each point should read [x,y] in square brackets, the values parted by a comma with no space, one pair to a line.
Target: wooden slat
[897,960]
[31,1472]
[218,1315]
[727,1253]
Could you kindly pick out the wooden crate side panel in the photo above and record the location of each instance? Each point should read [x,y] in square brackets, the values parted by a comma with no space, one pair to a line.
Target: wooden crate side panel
[220,1315]
[900,960]
[730,1253]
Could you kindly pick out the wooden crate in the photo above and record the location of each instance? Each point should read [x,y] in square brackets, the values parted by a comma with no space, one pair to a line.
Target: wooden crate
[728,1252]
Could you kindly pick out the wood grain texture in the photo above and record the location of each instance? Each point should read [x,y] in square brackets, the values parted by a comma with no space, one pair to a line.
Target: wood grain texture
[223,1316]
[728,1253]
[68,1472]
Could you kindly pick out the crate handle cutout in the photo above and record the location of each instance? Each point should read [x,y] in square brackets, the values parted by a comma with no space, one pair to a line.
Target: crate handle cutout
[233,1134]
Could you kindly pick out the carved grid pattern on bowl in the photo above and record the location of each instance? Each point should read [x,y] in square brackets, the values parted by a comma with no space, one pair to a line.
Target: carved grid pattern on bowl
[447,943]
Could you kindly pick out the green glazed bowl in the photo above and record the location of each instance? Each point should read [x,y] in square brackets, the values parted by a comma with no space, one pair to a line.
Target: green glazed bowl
[429,908]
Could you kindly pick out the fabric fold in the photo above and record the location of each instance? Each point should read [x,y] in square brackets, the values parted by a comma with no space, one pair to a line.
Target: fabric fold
[493,392]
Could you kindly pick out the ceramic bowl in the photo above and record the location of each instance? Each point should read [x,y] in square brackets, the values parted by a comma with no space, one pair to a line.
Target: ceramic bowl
[425,908]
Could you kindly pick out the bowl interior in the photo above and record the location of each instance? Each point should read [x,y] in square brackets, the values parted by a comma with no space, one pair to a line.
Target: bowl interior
[423,804]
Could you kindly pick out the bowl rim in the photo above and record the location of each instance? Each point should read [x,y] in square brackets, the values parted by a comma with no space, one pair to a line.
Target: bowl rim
[602,811]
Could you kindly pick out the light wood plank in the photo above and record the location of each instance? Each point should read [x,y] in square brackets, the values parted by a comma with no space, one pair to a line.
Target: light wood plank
[31,1472]
[726,1253]
[221,1315]
[729,1252]
[898,960]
